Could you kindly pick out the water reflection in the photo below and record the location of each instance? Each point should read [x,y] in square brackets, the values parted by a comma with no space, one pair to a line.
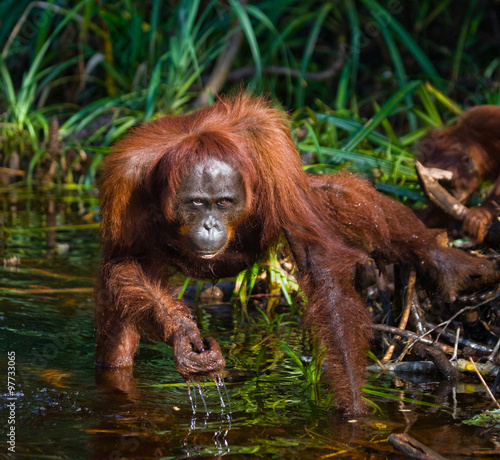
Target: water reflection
[165,429]
[219,437]
[121,391]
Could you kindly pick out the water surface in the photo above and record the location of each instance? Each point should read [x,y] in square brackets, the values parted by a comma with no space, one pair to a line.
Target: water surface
[65,408]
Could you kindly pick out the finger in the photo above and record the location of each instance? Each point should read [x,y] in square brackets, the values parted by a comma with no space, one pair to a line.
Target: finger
[195,339]
[212,344]
[471,226]
[481,232]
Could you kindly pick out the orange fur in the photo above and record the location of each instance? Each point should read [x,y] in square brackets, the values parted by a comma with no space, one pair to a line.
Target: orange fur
[470,149]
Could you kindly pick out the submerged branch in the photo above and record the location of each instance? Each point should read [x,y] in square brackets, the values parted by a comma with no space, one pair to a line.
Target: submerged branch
[425,367]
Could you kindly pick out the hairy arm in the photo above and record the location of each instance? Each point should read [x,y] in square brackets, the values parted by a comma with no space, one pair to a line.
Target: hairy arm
[131,298]
[336,316]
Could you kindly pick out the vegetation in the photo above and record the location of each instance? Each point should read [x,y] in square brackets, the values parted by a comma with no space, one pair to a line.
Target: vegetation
[100,67]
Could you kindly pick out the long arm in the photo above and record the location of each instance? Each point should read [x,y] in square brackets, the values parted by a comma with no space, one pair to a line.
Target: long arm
[131,299]
[387,230]
[336,317]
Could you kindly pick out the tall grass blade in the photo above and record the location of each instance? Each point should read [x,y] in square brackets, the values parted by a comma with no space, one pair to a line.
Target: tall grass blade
[247,27]
[364,161]
[354,140]
[405,38]
[429,105]
[154,83]
[309,49]
[353,126]
[459,49]
[343,88]
[355,47]
[399,68]
[155,13]
[443,99]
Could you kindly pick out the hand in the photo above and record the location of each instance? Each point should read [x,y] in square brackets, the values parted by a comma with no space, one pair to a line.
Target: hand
[476,222]
[195,358]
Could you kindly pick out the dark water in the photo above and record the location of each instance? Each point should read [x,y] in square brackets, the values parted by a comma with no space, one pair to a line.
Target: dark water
[65,409]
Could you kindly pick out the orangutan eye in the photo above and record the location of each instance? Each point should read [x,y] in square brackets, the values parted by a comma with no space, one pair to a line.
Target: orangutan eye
[467,161]
[224,202]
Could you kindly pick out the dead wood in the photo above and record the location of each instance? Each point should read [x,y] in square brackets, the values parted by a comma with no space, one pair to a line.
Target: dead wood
[444,200]
[487,369]
[409,297]
[403,442]
[440,360]
[410,335]
[333,69]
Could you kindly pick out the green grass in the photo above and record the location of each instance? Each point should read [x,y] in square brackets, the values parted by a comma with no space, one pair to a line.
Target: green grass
[103,68]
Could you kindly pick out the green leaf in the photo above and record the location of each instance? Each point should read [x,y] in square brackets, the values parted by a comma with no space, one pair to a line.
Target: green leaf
[363,160]
[386,110]
[246,24]
[405,38]
[288,351]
